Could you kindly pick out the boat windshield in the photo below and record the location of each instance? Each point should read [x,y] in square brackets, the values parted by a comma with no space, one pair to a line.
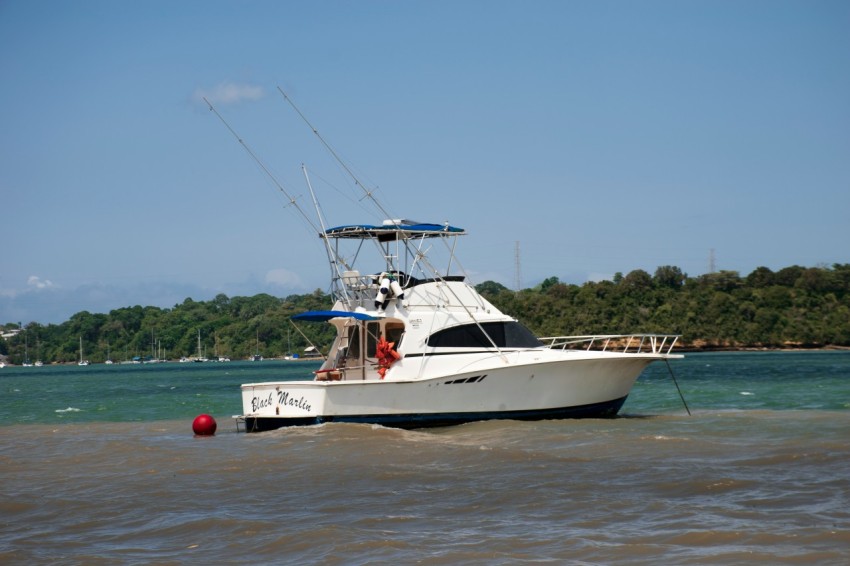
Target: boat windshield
[504,334]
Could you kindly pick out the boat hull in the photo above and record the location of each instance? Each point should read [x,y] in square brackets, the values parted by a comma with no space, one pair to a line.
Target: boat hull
[428,420]
[580,388]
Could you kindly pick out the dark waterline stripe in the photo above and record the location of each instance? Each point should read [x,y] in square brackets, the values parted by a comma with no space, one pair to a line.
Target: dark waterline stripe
[426,420]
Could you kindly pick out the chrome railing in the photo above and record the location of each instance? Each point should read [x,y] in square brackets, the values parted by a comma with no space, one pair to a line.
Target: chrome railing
[621,343]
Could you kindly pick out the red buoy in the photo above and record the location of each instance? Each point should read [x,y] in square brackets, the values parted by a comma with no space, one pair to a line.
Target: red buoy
[204,425]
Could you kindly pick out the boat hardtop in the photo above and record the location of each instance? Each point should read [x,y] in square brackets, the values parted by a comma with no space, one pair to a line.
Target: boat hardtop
[393,229]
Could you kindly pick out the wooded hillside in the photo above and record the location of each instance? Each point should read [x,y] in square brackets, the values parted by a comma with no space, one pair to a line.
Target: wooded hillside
[793,307]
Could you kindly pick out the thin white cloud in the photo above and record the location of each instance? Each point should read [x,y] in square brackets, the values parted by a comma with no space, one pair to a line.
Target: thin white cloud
[36,282]
[229,93]
[284,278]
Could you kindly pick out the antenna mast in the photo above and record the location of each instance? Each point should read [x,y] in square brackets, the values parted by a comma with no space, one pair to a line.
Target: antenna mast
[334,258]
[518,281]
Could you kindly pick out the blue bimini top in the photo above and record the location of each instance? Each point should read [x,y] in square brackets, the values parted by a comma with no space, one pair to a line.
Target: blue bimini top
[394,230]
[324,316]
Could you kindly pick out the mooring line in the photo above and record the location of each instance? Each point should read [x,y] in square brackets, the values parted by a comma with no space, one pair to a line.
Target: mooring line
[682,397]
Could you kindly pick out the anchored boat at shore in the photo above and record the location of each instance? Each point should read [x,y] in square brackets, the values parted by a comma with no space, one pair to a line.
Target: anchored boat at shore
[416,345]
[428,350]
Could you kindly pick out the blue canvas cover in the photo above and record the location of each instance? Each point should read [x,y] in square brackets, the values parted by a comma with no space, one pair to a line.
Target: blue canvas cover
[324,316]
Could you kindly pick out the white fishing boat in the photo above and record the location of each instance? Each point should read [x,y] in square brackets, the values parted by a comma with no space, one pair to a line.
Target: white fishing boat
[416,345]
[428,350]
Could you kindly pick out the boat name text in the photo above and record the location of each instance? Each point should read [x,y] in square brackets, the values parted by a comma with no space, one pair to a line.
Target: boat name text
[284,399]
[258,403]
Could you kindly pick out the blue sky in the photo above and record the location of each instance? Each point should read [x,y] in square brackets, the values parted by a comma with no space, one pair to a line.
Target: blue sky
[602,136]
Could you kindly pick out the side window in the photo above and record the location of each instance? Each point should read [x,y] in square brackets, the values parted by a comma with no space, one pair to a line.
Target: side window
[519,336]
[503,334]
[373,334]
[394,331]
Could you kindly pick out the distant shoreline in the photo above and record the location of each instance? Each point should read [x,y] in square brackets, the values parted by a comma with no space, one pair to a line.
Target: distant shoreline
[690,349]
[699,349]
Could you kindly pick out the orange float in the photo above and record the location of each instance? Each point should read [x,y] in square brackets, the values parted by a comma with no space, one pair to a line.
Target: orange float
[386,354]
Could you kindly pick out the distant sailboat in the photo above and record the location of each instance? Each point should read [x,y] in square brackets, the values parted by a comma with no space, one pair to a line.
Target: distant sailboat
[108,355]
[257,357]
[200,357]
[38,362]
[217,356]
[289,355]
[27,363]
[83,361]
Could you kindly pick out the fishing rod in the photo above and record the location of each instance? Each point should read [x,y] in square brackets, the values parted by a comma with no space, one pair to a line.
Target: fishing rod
[366,192]
[333,255]
[292,200]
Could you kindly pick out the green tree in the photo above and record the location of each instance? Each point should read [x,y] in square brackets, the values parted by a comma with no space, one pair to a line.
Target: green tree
[669,276]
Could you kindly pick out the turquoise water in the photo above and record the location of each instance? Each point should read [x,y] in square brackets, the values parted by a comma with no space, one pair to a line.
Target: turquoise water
[98,465]
[717,381]
[133,392]
[795,380]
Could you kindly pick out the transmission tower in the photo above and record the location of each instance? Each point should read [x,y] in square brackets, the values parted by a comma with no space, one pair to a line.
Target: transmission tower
[711,264]
[518,281]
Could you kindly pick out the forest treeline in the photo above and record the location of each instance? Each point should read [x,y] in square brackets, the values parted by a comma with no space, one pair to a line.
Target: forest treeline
[795,307]
[237,327]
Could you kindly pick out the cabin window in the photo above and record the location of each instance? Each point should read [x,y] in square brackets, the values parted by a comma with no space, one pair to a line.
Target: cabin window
[373,334]
[353,352]
[394,332]
[503,334]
